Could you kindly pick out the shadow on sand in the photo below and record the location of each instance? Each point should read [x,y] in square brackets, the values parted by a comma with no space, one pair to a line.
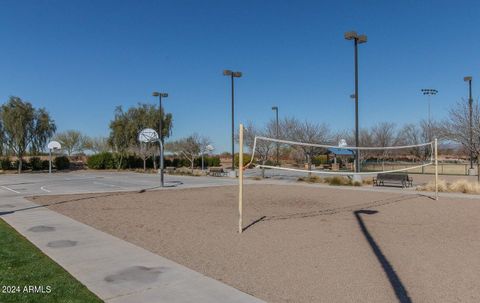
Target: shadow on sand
[331,211]
[89,196]
[394,279]
[108,194]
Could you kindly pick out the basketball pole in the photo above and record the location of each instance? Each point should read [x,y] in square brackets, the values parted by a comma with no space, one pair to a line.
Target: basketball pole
[240,180]
[436,169]
[49,160]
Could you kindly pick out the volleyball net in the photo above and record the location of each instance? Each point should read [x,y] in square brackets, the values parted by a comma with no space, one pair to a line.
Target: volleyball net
[295,157]
[325,159]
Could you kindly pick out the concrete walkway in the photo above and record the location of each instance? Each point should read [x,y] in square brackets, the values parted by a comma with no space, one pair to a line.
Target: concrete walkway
[115,270]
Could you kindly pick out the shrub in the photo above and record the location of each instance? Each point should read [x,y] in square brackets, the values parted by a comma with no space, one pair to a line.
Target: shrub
[320,159]
[149,163]
[36,163]
[334,180]
[246,159]
[208,161]
[25,164]
[311,179]
[62,162]
[187,171]
[175,162]
[341,181]
[183,171]
[270,162]
[184,162]
[45,164]
[117,159]
[103,160]
[5,164]
[214,161]
[133,162]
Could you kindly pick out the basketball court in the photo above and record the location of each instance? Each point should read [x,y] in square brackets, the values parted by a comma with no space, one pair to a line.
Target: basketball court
[95,181]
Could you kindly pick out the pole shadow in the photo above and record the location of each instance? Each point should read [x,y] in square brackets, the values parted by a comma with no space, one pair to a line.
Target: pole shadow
[330,211]
[63,202]
[167,184]
[254,222]
[393,278]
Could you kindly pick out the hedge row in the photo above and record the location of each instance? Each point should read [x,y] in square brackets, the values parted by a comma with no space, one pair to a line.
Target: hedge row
[35,164]
[107,160]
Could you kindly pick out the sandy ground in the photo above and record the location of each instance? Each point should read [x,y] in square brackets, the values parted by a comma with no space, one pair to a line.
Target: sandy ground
[313,245]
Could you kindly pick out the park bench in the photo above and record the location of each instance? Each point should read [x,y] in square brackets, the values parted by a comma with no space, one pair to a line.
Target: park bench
[217,171]
[393,179]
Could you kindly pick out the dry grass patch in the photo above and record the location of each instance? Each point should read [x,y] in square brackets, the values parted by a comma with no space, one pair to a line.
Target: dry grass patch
[311,179]
[459,186]
[367,181]
[336,181]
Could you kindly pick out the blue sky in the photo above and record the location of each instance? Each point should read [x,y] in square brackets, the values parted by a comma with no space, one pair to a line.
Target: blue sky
[80,59]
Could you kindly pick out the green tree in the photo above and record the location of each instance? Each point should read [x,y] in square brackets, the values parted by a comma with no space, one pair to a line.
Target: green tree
[23,127]
[126,125]
[2,140]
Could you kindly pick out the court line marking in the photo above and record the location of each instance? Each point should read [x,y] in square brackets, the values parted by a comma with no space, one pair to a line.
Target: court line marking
[106,184]
[45,190]
[9,189]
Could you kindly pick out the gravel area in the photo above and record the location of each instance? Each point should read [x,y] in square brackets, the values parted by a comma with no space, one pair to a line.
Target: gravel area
[312,245]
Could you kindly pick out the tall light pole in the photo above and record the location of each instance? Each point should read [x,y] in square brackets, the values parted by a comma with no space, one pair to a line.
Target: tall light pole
[232,76]
[275,108]
[160,132]
[470,119]
[429,92]
[357,39]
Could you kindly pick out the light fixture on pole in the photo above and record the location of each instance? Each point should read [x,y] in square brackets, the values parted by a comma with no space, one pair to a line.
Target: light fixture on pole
[233,75]
[429,92]
[160,131]
[470,120]
[357,39]
[277,130]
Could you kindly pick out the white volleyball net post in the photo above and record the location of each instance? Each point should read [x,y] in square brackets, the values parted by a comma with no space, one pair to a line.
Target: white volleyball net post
[240,180]
[436,169]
